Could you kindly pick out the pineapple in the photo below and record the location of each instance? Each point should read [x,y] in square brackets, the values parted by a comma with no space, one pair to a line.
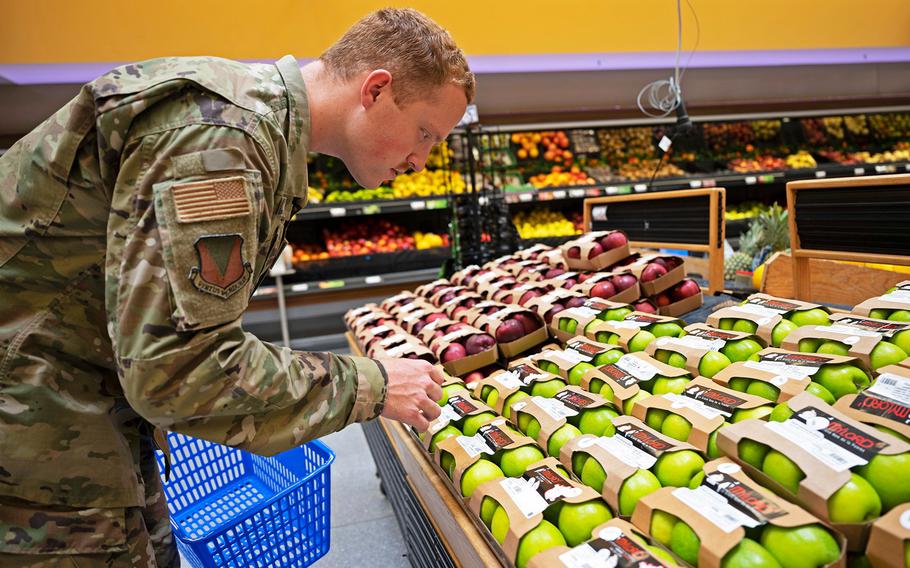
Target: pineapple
[739,261]
[768,232]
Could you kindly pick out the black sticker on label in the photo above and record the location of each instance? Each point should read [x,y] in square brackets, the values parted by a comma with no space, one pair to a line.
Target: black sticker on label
[716,399]
[585,348]
[573,400]
[880,406]
[744,498]
[550,484]
[713,334]
[840,433]
[621,377]
[496,437]
[776,305]
[526,373]
[641,318]
[627,552]
[881,327]
[644,440]
[798,359]
[461,405]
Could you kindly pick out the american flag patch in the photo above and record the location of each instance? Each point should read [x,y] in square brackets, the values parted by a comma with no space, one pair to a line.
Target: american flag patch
[211,200]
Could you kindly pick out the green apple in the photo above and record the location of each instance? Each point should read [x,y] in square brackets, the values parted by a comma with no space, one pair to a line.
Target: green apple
[479,472]
[593,475]
[745,325]
[815,316]
[780,413]
[577,520]
[579,459]
[636,486]
[598,421]
[447,463]
[449,390]
[752,452]
[675,469]
[763,389]
[879,314]
[808,546]
[712,363]
[781,331]
[578,372]
[608,357]
[855,502]
[781,469]
[540,538]
[640,340]
[664,385]
[757,413]
[499,525]
[492,396]
[697,480]
[661,554]
[662,524]
[607,337]
[726,324]
[667,330]
[713,451]
[512,399]
[821,392]
[605,390]
[740,384]
[531,426]
[841,379]
[685,543]
[549,367]
[487,509]
[900,315]
[662,355]
[833,348]
[809,345]
[676,427]
[676,360]
[547,389]
[907,554]
[740,350]
[630,402]
[882,473]
[886,354]
[894,433]
[749,554]
[560,437]
[514,462]
[446,432]
[472,423]
[902,340]
[568,325]
[655,418]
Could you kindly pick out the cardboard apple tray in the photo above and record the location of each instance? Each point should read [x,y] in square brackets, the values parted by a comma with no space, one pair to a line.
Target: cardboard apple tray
[888,538]
[416,303]
[543,304]
[459,406]
[898,299]
[427,290]
[705,404]
[491,281]
[460,367]
[578,350]
[764,311]
[525,270]
[720,510]
[417,312]
[524,499]
[491,322]
[408,349]
[628,295]
[389,334]
[464,276]
[393,303]
[625,376]
[567,280]
[614,543]
[696,343]
[553,413]
[658,285]
[533,252]
[585,243]
[582,315]
[635,446]
[885,403]
[357,324]
[460,293]
[554,258]
[462,302]
[506,382]
[501,263]
[683,306]
[629,326]
[512,295]
[825,459]
[860,334]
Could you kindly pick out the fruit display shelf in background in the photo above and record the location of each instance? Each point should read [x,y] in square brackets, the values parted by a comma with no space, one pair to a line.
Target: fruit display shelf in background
[541,222]
[374,236]
[416,184]
[560,176]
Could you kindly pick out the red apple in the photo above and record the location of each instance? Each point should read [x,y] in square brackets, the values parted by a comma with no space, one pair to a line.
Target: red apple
[685,289]
[418,325]
[553,273]
[583,276]
[604,289]
[469,303]
[663,262]
[574,302]
[509,330]
[457,311]
[480,342]
[624,281]
[456,326]
[652,272]
[614,240]
[528,323]
[472,377]
[662,299]
[596,250]
[453,352]
[548,317]
[527,297]
[569,283]
[447,297]
[574,252]
[645,306]
[434,317]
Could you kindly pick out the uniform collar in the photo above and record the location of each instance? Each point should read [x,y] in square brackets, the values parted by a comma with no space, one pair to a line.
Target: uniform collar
[298,115]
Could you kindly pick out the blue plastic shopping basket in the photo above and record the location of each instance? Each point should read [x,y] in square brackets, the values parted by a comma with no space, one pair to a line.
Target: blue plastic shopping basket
[233,509]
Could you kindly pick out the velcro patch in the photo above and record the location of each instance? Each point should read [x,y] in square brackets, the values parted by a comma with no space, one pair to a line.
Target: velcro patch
[210,200]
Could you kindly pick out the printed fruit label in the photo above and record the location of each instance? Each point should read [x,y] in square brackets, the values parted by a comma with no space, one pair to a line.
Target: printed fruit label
[678,401]
[626,451]
[714,508]
[461,405]
[525,497]
[509,379]
[794,372]
[585,348]
[888,397]
[640,369]
[808,360]
[549,484]
[870,326]
[690,341]
[569,357]
[740,496]
[555,409]
[644,440]
[580,312]
[724,402]
[642,318]
[899,296]
[593,304]
[574,400]
[712,334]
[474,445]
[494,436]
[611,548]
[779,306]
[528,374]
[892,386]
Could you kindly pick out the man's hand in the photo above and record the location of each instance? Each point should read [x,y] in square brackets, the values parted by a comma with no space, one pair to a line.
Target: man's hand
[412,392]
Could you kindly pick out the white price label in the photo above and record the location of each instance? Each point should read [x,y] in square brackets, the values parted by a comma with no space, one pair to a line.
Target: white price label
[756,309]
[373,279]
[611,190]
[629,324]
[399,350]
[664,143]
[560,194]
[693,342]
[626,452]
[583,556]
[640,187]
[715,508]
[751,180]
[892,386]
[378,329]
[418,205]
[582,312]
[449,413]
[300,287]
[695,183]
[638,368]
[679,401]
[859,171]
[338,211]
[821,174]
[576,193]
[808,436]
[364,319]
[525,496]
[554,408]
[509,379]
[525,197]
[898,296]
[474,445]
[569,358]
[795,372]
[847,330]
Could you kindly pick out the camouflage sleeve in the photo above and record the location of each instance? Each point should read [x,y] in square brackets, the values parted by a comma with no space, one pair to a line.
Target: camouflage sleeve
[193,221]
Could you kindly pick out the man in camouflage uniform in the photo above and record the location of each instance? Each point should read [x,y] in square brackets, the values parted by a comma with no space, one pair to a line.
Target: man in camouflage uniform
[135,225]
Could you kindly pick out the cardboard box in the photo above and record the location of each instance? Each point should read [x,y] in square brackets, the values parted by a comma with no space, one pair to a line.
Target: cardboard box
[889,537]
[489,316]
[629,376]
[591,310]
[683,306]
[506,382]
[719,511]
[554,258]
[578,350]
[550,413]
[513,294]
[465,365]
[860,334]
[825,460]
[555,299]
[408,349]
[585,244]
[427,290]
[390,334]
[533,252]
[399,311]
[885,403]
[465,276]
[614,543]
[764,311]
[491,281]
[460,405]
[627,296]
[898,299]
[376,316]
[521,269]
[629,327]
[567,280]
[454,294]
[698,341]
[673,276]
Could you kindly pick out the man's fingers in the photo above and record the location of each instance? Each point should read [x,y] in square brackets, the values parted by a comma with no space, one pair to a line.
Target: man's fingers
[437,374]
[430,409]
[434,391]
[419,422]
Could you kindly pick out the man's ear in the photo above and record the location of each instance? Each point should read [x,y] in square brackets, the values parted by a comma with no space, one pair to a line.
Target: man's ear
[377,83]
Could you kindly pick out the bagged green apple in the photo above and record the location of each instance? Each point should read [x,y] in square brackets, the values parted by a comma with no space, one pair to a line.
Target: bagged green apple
[697,355]
[614,543]
[885,405]
[635,331]
[894,305]
[889,539]
[539,510]
[876,343]
[698,413]
[546,420]
[841,470]
[505,387]
[630,464]
[580,357]
[596,251]
[635,376]
[771,318]
[574,321]
[736,345]
[779,375]
[726,519]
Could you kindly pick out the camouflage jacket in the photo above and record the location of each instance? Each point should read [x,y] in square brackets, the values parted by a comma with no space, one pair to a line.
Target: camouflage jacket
[135,224]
